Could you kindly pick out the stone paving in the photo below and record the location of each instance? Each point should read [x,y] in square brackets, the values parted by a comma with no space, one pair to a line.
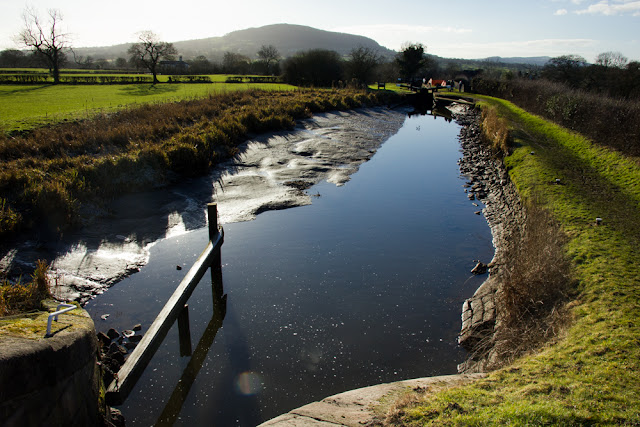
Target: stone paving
[360,407]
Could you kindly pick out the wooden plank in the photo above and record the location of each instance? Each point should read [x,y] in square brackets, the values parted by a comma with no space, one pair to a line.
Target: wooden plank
[135,364]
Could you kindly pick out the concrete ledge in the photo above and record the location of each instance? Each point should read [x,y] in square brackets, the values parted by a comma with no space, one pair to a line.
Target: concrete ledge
[356,408]
[48,381]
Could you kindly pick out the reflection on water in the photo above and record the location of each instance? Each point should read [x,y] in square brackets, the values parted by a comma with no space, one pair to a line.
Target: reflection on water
[172,409]
[175,225]
[363,286]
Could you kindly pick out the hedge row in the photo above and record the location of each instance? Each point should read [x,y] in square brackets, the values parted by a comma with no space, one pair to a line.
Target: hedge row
[189,79]
[607,121]
[74,80]
[252,79]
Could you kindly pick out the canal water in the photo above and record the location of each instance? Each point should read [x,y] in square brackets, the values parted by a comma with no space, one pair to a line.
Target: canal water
[361,287]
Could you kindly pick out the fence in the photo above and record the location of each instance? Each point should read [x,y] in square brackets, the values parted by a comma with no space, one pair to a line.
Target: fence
[175,308]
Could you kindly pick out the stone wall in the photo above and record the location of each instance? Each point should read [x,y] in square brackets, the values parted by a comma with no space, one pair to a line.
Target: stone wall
[49,381]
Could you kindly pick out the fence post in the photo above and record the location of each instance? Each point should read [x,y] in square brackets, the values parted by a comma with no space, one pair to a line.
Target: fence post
[216,262]
[212,213]
[184,331]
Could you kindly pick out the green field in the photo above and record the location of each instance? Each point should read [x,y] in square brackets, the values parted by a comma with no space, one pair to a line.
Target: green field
[24,107]
[216,78]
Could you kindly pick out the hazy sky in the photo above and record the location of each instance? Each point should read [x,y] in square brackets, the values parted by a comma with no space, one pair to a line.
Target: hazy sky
[453,29]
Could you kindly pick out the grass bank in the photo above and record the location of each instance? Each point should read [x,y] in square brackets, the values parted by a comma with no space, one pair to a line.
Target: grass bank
[590,372]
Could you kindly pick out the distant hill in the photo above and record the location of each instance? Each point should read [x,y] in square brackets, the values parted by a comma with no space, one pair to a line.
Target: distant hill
[533,60]
[290,39]
[287,38]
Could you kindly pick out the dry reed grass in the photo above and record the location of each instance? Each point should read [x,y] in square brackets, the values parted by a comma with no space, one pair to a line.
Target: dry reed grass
[536,285]
[19,297]
[495,131]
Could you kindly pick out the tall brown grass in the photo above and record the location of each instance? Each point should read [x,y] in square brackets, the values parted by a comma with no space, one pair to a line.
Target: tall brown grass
[495,131]
[536,285]
[19,297]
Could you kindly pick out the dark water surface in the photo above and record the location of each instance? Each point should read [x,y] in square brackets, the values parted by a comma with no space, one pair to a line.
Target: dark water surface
[363,286]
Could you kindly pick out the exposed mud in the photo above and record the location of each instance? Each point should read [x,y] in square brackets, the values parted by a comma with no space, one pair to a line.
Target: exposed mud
[271,172]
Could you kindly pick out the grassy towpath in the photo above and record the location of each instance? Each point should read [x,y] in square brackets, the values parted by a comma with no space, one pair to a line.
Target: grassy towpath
[590,375]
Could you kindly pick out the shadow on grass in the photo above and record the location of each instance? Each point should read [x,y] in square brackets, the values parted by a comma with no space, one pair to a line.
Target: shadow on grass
[24,90]
[589,194]
[148,89]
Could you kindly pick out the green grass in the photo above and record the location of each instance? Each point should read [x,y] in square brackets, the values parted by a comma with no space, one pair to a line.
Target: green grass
[24,107]
[391,87]
[591,375]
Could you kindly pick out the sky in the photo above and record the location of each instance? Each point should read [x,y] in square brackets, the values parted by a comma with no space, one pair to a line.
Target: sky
[462,29]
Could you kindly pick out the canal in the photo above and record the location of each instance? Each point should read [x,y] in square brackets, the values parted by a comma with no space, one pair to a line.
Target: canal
[363,286]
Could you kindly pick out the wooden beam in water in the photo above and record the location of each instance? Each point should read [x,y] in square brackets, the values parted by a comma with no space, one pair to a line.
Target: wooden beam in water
[135,364]
[184,331]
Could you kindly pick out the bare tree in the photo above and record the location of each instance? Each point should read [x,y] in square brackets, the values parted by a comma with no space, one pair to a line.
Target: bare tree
[362,64]
[269,54]
[149,50]
[82,61]
[45,40]
[611,59]
[235,63]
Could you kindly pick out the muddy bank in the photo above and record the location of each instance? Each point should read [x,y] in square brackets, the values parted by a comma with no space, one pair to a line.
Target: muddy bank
[271,172]
[488,183]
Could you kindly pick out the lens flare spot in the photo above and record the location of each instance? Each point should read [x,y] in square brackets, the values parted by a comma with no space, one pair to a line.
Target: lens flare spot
[248,383]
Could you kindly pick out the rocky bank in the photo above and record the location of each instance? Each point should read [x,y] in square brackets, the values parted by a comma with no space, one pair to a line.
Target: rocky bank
[489,183]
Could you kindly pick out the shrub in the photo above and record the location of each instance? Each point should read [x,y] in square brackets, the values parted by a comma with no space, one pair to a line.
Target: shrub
[54,205]
[9,219]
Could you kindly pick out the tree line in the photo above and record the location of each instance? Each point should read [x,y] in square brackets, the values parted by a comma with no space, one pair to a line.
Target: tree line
[611,74]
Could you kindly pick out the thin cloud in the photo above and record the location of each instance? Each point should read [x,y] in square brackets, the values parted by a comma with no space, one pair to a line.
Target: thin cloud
[394,35]
[395,28]
[609,8]
[541,47]
[561,12]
